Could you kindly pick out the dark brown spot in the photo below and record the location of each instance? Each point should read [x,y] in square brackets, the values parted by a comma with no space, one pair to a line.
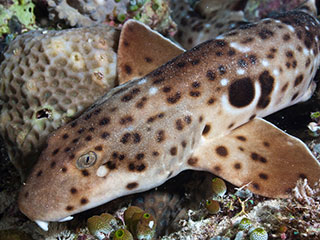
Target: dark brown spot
[126,120]
[73,124]
[65,136]
[256,186]
[98,148]
[91,129]
[67,149]
[308,62]
[231,53]
[81,130]
[222,151]
[155,153]
[196,84]
[174,99]
[211,75]
[125,138]
[111,165]
[252,117]
[26,195]
[217,169]
[242,138]
[136,137]
[88,116]
[266,83]
[219,54]
[241,149]
[302,175]
[200,119]
[265,33]
[195,62]
[104,121]
[158,80]
[237,166]
[71,156]
[194,93]
[183,144]
[230,125]
[148,59]
[85,173]
[141,103]
[179,124]
[298,80]
[241,92]
[173,151]
[166,89]
[210,101]
[64,169]
[73,190]
[284,88]
[242,63]
[53,164]
[253,59]
[192,161]
[181,64]
[206,129]
[97,111]
[247,40]
[266,144]
[140,156]
[286,37]
[289,54]
[294,96]
[105,135]
[222,70]
[132,185]
[127,69]
[39,173]
[88,138]
[55,151]
[160,136]
[263,176]
[134,92]
[84,201]
[69,208]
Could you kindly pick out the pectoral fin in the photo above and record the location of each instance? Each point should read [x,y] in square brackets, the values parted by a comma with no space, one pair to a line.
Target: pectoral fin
[260,154]
[142,50]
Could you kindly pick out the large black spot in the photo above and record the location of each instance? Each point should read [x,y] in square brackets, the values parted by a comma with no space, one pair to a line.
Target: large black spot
[241,92]
[266,83]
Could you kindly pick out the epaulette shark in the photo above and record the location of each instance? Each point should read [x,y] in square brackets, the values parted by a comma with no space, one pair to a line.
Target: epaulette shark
[201,110]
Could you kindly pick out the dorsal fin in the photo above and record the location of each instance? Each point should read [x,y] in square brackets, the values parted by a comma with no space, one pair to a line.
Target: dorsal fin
[260,154]
[142,50]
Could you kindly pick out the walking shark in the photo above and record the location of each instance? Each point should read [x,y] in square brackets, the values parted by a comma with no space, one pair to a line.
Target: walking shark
[201,110]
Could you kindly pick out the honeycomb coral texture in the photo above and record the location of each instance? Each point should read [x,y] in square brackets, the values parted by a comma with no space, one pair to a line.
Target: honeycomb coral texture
[46,79]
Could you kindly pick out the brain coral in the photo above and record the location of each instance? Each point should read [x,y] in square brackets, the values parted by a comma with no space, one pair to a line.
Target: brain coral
[47,78]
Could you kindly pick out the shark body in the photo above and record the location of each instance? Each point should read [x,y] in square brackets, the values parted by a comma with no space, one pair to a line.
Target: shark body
[201,110]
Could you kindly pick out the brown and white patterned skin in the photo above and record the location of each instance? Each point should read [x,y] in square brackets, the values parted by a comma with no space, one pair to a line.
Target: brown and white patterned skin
[150,129]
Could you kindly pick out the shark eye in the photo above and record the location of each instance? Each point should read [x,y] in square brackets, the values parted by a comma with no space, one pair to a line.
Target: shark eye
[86,160]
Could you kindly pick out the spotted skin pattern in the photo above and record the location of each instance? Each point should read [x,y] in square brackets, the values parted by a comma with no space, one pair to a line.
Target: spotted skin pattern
[200,111]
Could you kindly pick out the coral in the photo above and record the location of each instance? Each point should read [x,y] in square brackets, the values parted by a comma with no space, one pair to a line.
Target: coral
[140,223]
[102,225]
[219,187]
[48,78]
[212,206]
[122,234]
[155,13]
[259,234]
[16,16]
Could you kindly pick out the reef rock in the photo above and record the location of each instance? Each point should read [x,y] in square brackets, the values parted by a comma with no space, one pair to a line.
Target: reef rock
[49,77]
